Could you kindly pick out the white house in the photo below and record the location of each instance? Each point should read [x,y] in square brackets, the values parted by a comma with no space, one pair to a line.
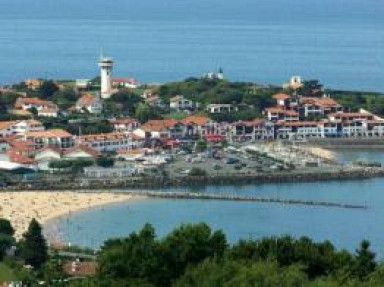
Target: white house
[111,141]
[180,103]
[124,125]
[221,108]
[89,103]
[128,83]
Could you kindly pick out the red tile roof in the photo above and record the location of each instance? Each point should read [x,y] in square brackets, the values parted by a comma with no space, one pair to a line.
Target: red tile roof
[199,120]
[281,96]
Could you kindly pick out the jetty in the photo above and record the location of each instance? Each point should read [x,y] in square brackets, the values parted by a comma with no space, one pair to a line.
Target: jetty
[233,197]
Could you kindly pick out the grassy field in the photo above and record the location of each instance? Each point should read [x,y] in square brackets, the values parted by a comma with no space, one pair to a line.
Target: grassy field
[6,274]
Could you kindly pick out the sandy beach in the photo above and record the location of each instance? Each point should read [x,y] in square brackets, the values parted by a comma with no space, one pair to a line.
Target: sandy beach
[21,206]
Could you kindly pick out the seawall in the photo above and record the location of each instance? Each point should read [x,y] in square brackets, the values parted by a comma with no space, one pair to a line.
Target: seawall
[77,183]
[349,143]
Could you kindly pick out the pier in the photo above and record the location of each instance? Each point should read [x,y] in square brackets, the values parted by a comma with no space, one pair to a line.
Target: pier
[232,197]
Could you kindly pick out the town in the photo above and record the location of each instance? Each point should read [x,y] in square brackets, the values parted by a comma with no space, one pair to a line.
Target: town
[110,127]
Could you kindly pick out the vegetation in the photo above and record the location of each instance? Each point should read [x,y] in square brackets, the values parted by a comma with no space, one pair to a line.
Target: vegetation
[195,171]
[6,236]
[34,248]
[75,165]
[6,273]
[105,161]
[194,255]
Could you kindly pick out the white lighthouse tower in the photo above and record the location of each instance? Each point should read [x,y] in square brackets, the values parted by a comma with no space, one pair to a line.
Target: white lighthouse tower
[106,67]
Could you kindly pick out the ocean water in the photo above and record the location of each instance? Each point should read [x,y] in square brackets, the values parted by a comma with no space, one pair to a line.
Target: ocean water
[340,42]
[344,227]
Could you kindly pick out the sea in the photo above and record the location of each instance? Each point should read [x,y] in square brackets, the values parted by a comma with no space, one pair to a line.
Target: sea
[339,42]
[345,228]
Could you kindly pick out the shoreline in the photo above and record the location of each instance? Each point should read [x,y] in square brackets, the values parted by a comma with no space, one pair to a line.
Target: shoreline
[45,206]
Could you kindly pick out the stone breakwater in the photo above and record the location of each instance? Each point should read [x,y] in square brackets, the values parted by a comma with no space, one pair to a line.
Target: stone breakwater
[79,183]
[232,197]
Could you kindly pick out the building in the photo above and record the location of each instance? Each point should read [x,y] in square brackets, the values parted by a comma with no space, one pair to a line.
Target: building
[54,138]
[89,103]
[276,114]
[83,84]
[311,106]
[112,172]
[259,129]
[220,108]
[162,129]
[351,117]
[111,141]
[125,125]
[33,84]
[10,128]
[296,82]
[155,102]
[127,83]
[179,103]
[6,128]
[43,107]
[282,100]
[203,126]
[106,67]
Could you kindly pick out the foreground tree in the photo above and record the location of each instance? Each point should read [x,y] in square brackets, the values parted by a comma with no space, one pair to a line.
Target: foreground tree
[33,245]
[6,227]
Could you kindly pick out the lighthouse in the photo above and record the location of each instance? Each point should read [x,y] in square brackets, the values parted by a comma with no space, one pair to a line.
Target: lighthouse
[106,67]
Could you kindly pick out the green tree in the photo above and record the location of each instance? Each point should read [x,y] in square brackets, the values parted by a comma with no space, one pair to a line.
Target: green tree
[6,227]
[34,111]
[66,98]
[6,241]
[33,245]
[365,260]
[105,161]
[126,100]
[195,171]
[145,112]
[47,89]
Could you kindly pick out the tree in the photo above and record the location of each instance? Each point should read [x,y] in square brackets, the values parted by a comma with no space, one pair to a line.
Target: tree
[6,236]
[105,161]
[6,241]
[144,112]
[195,171]
[65,99]
[6,227]
[33,245]
[47,89]
[127,100]
[365,260]
[34,111]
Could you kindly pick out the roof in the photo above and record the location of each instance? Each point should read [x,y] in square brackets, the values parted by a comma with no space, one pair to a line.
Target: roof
[159,125]
[48,134]
[126,80]
[7,124]
[322,102]
[281,111]
[137,151]
[255,122]
[348,115]
[177,98]
[16,157]
[33,101]
[108,136]
[82,148]
[86,100]
[124,121]
[199,120]
[301,123]
[281,96]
